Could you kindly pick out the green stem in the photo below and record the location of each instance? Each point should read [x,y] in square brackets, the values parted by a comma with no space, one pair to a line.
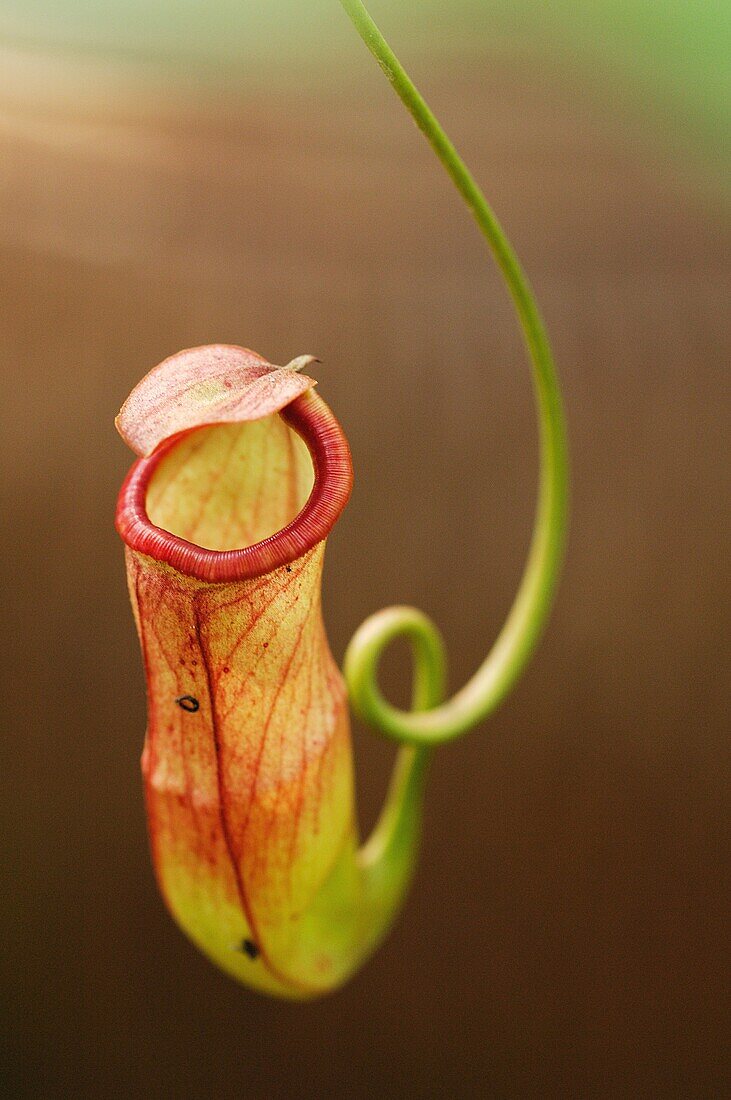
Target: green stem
[388,858]
[526,619]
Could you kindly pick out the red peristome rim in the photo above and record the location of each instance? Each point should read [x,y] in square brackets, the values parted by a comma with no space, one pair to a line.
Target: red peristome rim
[314,422]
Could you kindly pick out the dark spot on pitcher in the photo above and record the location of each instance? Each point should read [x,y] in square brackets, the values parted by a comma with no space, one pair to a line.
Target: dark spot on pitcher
[188,703]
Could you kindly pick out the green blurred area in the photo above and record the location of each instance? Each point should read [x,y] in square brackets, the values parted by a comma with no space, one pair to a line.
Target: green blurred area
[669,58]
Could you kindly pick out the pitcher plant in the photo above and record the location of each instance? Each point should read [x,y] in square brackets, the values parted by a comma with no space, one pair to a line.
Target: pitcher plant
[242,472]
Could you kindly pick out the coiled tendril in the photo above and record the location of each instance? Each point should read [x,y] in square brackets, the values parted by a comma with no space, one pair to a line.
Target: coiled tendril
[522,629]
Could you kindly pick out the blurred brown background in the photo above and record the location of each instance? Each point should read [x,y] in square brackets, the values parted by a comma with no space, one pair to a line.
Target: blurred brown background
[565,934]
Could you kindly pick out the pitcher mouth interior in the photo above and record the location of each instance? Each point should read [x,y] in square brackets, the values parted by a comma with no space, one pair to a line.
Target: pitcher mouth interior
[312,420]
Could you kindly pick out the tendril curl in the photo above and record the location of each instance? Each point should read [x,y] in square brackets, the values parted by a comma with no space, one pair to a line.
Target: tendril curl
[522,629]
